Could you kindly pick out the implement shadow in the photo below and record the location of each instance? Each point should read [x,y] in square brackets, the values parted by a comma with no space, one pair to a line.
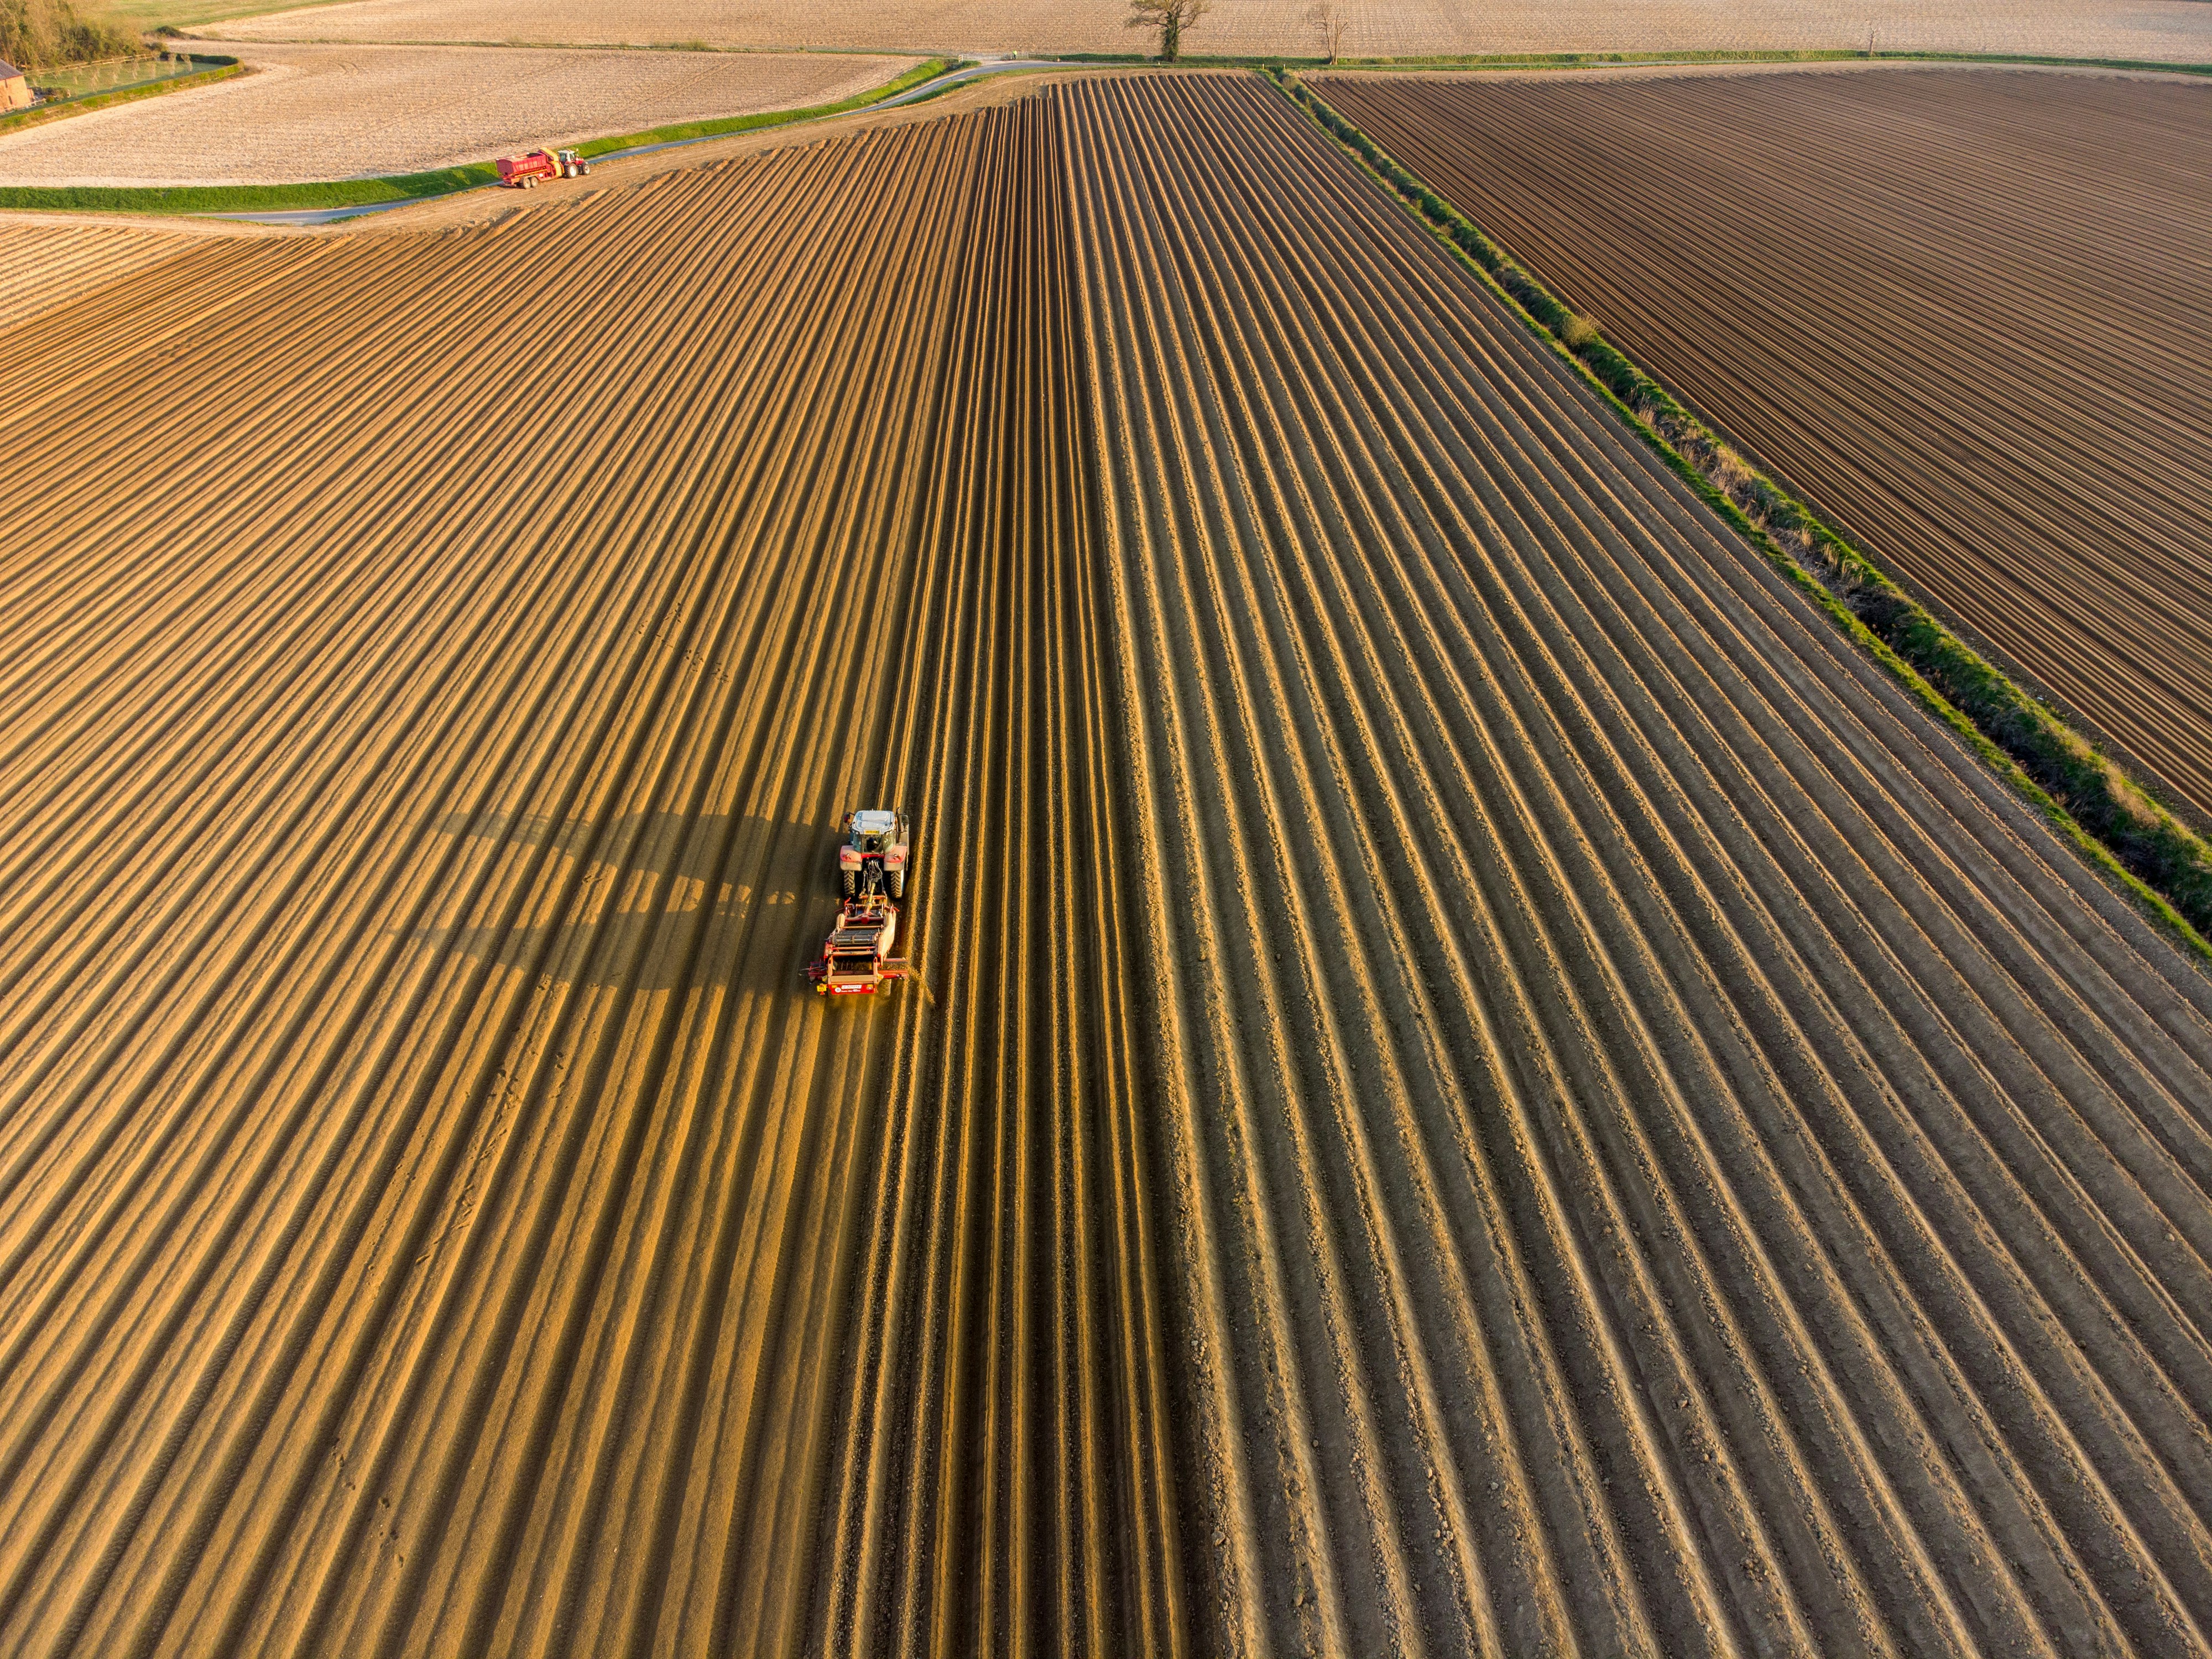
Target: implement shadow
[656,900]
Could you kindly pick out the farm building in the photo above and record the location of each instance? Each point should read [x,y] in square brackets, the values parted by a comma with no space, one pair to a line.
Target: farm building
[15,88]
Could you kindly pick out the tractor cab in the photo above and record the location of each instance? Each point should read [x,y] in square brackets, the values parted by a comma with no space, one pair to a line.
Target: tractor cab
[874,852]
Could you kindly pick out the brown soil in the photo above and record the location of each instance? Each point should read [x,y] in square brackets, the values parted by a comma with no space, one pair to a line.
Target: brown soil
[1478,1080]
[1968,315]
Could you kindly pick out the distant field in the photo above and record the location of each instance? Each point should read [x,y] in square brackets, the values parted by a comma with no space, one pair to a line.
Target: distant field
[2173,30]
[352,112]
[1964,311]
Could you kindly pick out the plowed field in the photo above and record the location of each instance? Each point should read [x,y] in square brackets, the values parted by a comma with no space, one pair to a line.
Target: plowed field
[1969,315]
[1477,1081]
[435,1219]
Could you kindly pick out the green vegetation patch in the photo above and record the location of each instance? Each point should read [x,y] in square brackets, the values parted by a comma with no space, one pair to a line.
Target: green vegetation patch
[2112,819]
[112,75]
[181,16]
[39,35]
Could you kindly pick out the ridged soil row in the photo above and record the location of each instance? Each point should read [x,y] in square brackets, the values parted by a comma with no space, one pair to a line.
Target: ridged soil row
[1965,314]
[1663,1153]
[432,1204]
[43,265]
[999,1482]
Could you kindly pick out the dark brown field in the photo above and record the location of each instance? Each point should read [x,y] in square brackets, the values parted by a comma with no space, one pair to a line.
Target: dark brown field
[1479,1081]
[1968,314]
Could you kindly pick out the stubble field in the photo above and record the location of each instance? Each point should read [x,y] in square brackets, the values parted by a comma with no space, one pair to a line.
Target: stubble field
[2168,30]
[1478,1081]
[1968,314]
[312,113]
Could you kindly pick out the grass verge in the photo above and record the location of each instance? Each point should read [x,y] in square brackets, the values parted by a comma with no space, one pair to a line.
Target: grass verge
[2164,867]
[406,187]
[218,69]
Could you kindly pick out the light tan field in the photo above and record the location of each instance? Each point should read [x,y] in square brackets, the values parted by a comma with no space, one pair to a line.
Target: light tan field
[323,112]
[2171,30]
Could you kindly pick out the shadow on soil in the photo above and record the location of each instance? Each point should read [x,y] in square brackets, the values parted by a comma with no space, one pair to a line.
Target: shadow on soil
[648,901]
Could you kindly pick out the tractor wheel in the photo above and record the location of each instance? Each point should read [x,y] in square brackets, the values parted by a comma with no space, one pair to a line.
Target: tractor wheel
[895,884]
[851,880]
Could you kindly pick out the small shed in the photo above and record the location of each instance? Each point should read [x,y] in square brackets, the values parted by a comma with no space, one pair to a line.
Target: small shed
[14,89]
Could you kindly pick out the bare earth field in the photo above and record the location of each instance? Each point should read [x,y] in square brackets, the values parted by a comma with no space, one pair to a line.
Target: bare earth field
[2172,30]
[1968,314]
[1479,1082]
[313,112]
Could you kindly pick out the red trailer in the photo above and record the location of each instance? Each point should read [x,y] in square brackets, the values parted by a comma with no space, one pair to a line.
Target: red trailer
[523,171]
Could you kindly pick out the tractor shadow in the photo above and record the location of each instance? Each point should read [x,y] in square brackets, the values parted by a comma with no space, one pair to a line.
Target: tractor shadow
[650,902]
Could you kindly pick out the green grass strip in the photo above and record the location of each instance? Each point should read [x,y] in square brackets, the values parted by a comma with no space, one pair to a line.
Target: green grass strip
[406,187]
[245,199]
[2108,817]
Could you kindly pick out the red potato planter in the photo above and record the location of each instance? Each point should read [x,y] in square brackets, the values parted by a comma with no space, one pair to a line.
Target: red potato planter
[856,958]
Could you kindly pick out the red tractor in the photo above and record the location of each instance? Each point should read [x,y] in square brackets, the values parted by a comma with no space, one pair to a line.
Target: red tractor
[856,958]
[523,171]
[875,844]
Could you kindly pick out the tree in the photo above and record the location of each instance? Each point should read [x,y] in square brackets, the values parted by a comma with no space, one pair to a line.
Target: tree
[1329,17]
[1170,18]
[41,34]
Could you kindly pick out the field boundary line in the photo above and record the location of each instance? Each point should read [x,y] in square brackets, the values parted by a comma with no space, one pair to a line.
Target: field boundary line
[396,190]
[2109,817]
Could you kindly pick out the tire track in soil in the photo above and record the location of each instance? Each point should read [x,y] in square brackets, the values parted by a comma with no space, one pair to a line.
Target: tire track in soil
[1666,1155]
